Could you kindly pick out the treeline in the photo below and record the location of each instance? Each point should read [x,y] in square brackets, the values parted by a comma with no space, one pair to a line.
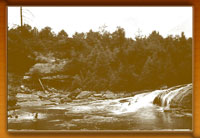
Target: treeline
[103,60]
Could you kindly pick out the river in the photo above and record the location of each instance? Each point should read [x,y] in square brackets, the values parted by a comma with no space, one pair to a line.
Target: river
[140,112]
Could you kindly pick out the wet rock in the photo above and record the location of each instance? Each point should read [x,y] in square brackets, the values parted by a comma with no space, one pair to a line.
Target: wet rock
[184,100]
[13,107]
[78,90]
[98,95]
[42,95]
[52,90]
[24,89]
[26,96]
[158,99]
[175,97]
[109,95]
[84,94]
[75,93]
[121,95]
[163,87]
[124,101]
[93,98]
[64,100]
[56,95]
[57,100]
[36,116]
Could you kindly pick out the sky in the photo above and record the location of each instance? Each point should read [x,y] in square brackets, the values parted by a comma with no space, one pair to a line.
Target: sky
[134,20]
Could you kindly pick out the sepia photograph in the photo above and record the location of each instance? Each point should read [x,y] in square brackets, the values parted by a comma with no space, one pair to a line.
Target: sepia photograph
[99,68]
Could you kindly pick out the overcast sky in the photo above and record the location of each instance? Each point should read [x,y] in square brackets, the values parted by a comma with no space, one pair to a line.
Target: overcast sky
[166,20]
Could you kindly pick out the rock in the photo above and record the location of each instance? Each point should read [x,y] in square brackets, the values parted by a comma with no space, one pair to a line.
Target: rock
[78,90]
[22,87]
[124,101]
[26,77]
[175,97]
[93,98]
[163,87]
[98,95]
[42,95]
[183,100]
[52,90]
[57,100]
[36,115]
[74,94]
[13,107]
[56,95]
[121,95]
[84,94]
[26,96]
[64,100]
[109,95]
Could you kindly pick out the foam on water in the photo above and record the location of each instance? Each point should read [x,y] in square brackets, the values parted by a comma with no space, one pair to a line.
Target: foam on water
[137,102]
[145,100]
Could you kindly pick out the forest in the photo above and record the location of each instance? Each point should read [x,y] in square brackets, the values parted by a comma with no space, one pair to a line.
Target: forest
[100,60]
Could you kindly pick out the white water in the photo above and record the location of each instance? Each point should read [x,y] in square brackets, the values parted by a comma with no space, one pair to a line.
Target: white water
[145,100]
[137,102]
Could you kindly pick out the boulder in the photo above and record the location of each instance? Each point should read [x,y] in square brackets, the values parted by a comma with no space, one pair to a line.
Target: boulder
[92,98]
[98,95]
[64,100]
[175,97]
[84,94]
[75,93]
[183,100]
[56,100]
[109,95]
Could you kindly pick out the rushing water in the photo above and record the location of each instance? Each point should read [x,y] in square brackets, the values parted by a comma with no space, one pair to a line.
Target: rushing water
[131,113]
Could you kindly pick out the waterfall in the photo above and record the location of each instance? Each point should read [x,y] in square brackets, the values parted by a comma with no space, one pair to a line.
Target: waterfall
[178,96]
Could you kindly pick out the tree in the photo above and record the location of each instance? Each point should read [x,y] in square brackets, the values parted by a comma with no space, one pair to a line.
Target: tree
[20,56]
[62,35]
[46,33]
[103,60]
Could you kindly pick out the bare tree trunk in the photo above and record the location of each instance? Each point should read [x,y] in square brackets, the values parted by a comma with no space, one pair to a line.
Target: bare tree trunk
[42,85]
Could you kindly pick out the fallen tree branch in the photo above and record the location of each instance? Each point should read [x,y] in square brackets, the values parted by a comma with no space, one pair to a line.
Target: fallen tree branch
[42,85]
